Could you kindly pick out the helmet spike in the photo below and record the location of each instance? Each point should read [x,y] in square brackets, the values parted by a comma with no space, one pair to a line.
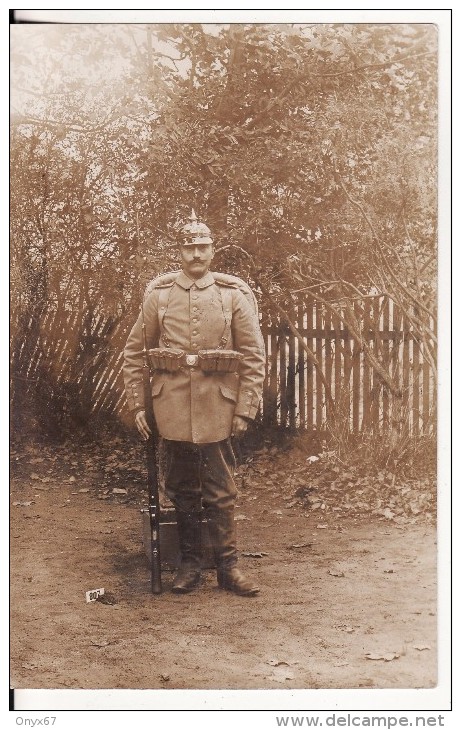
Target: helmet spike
[195,232]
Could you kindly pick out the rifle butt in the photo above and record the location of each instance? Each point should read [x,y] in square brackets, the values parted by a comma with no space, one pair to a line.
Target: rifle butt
[155,578]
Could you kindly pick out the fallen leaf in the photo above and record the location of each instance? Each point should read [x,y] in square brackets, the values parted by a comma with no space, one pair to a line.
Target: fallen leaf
[336,573]
[241,517]
[312,459]
[116,490]
[254,555]
[281,675]
[277,663]
[100,643]
[421,647]
[322,527]
[34,476]
[72,479]
[22,504]
[82,491]
[388,657]
[107,598]
[304,491]
[299,545]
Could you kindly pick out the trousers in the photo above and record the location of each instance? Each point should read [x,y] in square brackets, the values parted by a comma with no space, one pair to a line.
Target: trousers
[200,476]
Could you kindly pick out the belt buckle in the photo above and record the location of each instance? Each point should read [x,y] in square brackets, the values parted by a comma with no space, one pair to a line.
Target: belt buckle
[191,360]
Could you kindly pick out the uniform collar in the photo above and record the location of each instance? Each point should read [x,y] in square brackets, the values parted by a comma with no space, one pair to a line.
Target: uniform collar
[186,283]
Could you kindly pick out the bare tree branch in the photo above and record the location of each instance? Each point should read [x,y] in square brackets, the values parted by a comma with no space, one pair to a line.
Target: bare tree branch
[380,245]
[374,66]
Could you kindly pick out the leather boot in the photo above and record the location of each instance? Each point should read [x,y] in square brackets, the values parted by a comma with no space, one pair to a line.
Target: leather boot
[190,547]
[223,537]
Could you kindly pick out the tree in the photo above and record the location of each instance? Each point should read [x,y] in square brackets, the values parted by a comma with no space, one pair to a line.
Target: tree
[311,148]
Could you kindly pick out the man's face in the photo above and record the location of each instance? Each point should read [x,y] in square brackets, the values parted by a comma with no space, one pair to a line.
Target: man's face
[196,259]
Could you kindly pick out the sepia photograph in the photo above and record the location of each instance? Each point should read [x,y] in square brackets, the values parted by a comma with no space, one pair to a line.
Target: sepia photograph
[223,337]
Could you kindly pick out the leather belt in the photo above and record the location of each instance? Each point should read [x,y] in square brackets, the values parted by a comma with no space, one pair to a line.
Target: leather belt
[208,360]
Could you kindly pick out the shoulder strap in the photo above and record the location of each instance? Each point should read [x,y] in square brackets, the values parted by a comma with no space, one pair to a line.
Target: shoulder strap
[164,285]
[228,280]
[226,301]
[160,282]
[163,298]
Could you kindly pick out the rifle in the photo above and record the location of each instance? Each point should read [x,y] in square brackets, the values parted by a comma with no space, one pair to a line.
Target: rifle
[152,469]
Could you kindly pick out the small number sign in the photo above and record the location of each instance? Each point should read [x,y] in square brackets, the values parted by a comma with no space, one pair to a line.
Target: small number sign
[93,595]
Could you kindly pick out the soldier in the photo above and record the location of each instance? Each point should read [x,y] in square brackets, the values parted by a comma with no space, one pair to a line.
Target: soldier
[208,359]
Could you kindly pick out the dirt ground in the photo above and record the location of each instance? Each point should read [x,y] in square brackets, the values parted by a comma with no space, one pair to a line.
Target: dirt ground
[334,588]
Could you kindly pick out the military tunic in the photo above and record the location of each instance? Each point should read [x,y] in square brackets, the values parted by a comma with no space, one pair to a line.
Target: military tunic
[191,405]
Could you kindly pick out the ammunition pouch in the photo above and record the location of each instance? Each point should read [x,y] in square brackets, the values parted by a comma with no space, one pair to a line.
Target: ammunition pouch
[164,358]
[209,361]
[219,361]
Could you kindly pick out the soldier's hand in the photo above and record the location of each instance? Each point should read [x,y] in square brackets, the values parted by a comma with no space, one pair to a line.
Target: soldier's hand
[141,424]
[239,426]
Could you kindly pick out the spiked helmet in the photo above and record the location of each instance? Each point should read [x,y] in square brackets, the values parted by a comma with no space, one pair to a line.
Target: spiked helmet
[195,232]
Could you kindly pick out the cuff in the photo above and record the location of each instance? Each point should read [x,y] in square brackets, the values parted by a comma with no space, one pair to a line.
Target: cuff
[135,397]
[247,405]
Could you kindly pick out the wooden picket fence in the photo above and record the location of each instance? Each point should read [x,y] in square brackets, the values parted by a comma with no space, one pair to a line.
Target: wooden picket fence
[294,395]
[67,364]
